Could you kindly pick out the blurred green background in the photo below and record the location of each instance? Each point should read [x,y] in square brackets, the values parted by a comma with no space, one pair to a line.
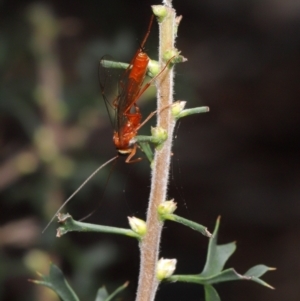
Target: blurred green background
[241,160]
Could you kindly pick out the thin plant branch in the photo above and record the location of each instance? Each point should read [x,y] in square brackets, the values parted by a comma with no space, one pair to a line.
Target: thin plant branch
[149,247]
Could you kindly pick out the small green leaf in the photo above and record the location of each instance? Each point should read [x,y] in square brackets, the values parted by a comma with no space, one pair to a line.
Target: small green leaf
[159,136]
[217,255]
[217,258]
[211,294]
[192,111]
[226,275]
[150,139]
[102,294]
[57,282]
[147,150]
[113,64]
[67,224]
[195,226]
[261,282]
[152,70]
[258,270]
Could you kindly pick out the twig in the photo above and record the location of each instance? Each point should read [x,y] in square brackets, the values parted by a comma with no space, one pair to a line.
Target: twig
[150,244]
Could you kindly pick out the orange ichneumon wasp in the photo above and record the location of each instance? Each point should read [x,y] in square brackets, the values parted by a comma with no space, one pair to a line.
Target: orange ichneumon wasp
[128,118]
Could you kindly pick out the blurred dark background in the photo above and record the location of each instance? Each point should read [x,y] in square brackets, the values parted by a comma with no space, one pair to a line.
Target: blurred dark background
[240,161]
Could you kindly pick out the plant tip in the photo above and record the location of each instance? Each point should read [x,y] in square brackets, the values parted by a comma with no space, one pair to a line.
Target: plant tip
[160,12]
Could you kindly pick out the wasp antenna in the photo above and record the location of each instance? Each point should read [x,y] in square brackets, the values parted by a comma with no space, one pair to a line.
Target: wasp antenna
[77,190]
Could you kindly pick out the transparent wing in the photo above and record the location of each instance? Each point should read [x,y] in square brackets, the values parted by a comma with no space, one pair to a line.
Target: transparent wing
[109,80]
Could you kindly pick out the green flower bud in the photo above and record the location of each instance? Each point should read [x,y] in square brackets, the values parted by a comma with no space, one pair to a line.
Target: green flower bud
[167,207]
[160,12]
[159,133]
[174,56]
[177,108]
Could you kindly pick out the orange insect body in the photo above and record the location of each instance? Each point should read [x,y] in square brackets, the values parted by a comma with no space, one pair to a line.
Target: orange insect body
[136,76]
[128,119]
[129,122]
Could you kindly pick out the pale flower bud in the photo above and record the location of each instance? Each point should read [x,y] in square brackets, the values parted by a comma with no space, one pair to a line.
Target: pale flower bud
[153,68]
[159,133]
[160,12]
[165,268]
[137,225]
[177,108]
[167,207]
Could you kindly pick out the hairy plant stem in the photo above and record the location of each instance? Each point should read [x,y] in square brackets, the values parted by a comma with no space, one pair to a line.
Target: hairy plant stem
[149,246]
